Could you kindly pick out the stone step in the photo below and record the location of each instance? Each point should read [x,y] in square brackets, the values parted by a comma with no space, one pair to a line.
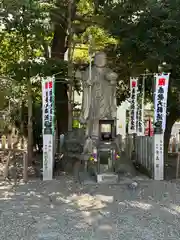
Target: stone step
[104,168]
[107,178]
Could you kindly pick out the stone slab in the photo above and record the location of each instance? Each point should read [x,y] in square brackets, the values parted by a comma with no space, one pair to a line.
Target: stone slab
[107,178]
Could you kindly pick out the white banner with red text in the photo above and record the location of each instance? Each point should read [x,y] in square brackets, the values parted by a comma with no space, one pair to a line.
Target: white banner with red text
[48,126]
[132,127]
[160,102]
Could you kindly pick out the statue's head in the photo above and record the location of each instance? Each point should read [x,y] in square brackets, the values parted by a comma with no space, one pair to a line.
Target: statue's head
[100,59]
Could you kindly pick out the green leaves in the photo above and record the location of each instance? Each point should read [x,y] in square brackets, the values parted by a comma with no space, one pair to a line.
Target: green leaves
[37,68]
[153,33]
[148,33]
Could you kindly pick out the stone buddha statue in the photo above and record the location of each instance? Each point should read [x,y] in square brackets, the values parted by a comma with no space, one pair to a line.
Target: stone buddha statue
[99,95]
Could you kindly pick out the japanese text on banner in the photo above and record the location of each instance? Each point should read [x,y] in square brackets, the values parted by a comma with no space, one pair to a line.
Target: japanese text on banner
[161,92]
[48,105]
[133,105]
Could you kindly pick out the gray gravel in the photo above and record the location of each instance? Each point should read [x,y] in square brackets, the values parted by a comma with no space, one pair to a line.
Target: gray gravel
[62,210]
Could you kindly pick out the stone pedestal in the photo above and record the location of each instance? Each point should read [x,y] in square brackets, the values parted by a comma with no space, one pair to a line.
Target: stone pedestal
[107,178]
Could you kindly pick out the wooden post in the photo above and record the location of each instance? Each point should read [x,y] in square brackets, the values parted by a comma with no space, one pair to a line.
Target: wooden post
[6,169]
[3,142]
[25,167]
[9,139]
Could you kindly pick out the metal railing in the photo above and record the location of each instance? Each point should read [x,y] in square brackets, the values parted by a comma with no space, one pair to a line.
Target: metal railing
[144,152]
[139,149]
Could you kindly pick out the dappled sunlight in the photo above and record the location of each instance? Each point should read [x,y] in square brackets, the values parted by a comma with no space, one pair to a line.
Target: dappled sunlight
[70,210]
[90,207]
[169,210]
[141,205]
[104,198]
[39,196]
[86,201]
[82,225]
[86,213]
[122,203]
[5,198]
[21,193]
[175,208]
[55,193]
[10,194]
[100,209]
[21,214]
[105,227]
[31,193]
[49,218]
[91,217]
[35,206]
[63,200]
[6,195]
[22,183]
[4,187]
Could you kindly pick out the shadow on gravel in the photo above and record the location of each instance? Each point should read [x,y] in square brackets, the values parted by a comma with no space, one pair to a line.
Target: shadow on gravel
[62,209]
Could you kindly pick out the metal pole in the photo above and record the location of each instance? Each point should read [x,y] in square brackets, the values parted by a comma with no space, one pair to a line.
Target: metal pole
[90,58]
[90,78]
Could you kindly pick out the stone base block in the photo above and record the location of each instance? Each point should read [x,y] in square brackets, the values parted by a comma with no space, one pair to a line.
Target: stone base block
[107,178]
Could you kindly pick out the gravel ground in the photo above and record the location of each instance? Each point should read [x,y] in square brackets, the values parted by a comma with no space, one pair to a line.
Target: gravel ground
[62,210]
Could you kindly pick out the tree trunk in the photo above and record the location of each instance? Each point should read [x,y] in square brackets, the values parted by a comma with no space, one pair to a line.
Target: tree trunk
[58,49]
[22,124]
[70,68]
[61,98]
[30,100]
[29,89]
[30,129]
[61,103]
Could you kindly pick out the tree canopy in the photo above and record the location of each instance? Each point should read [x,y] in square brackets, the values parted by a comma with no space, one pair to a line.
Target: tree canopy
[148,35]
[137,35]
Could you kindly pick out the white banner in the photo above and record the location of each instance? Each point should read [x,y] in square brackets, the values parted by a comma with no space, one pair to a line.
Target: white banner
[158,157]
[140,117]
[133,105]
[160,103]
[47,102]
[48,157]
[48,127]
[140,112]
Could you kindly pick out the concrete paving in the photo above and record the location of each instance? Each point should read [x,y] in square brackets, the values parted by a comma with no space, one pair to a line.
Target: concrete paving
[62,210]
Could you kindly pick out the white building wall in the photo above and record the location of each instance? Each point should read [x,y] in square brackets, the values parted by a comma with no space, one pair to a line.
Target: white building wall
[121,118]
[77,97]
[175,130]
